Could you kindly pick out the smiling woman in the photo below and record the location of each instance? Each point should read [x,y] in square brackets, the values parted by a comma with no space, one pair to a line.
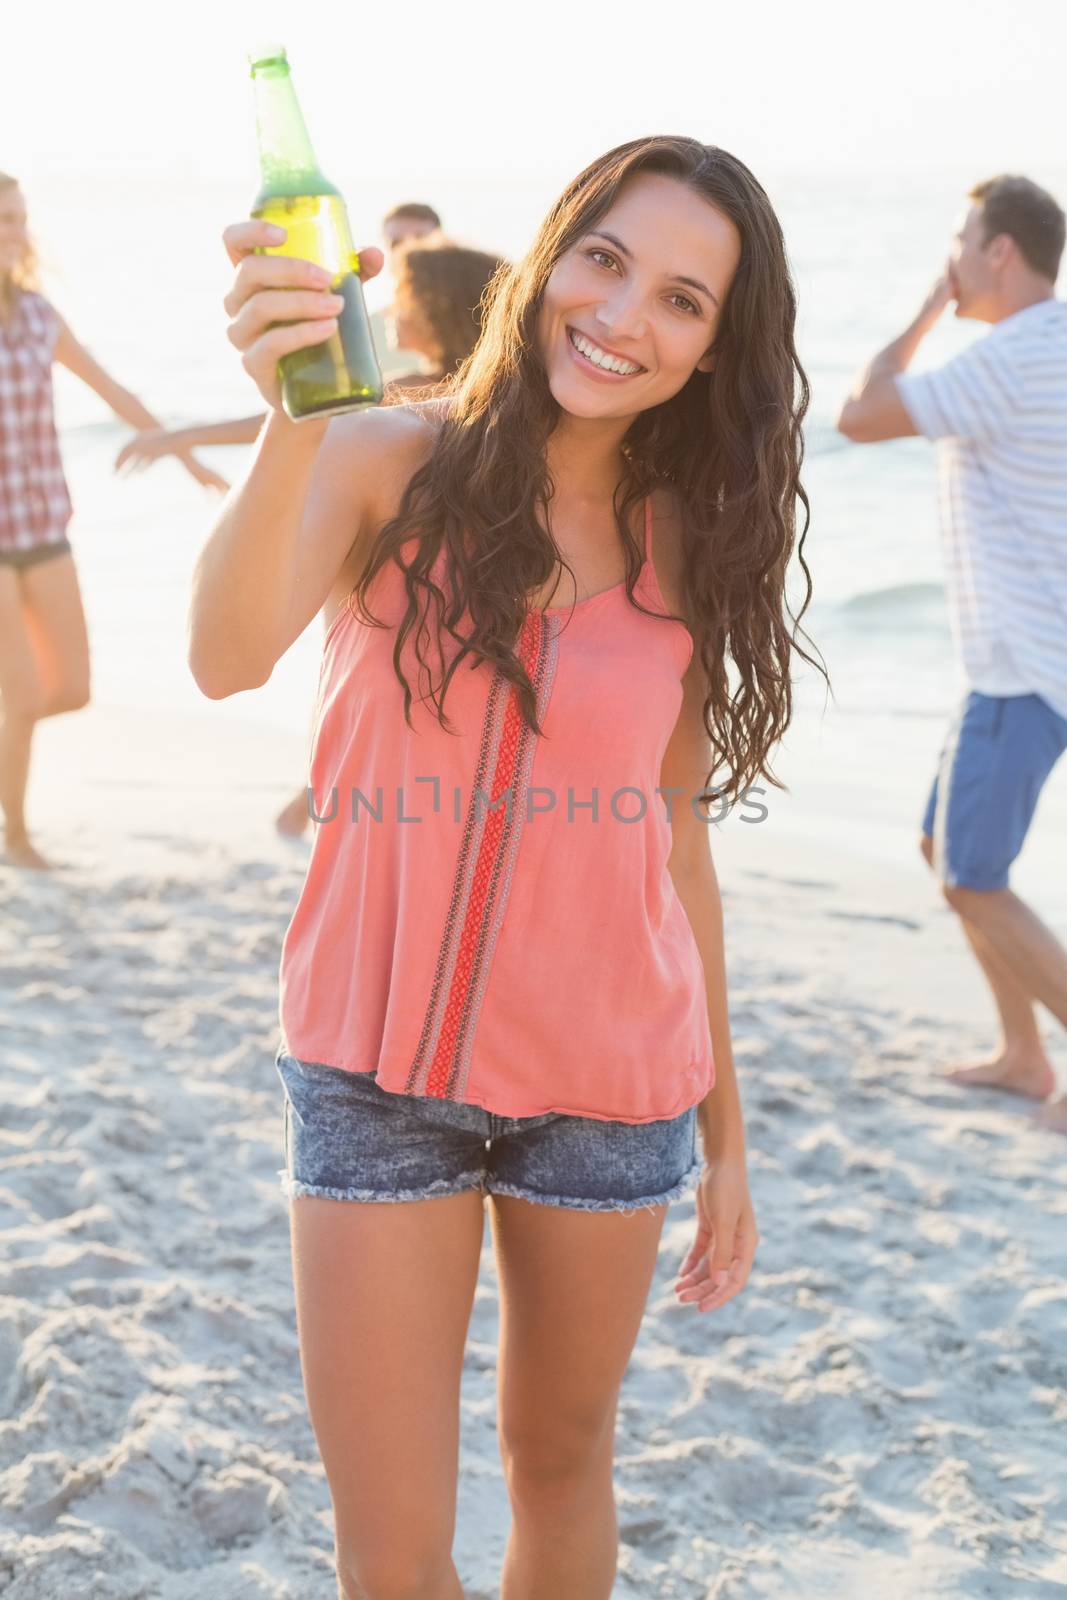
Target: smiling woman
[713,238]
[655,309]
[516,999]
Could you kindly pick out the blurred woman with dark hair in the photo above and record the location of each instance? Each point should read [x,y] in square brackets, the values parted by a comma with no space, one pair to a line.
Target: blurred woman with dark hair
[437,308]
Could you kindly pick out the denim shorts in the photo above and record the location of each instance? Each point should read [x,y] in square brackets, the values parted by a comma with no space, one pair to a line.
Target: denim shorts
[997,754]
[346,1138]
[34,553]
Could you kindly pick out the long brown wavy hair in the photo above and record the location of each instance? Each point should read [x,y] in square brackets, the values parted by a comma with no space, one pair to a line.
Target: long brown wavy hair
[728,444]
[25,273]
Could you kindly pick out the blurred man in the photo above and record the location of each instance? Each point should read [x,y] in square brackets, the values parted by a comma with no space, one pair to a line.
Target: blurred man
[404,223]
[999,411]
[408,221]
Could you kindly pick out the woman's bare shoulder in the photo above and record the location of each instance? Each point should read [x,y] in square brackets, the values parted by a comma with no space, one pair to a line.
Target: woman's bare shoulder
[391,440]
[367,460]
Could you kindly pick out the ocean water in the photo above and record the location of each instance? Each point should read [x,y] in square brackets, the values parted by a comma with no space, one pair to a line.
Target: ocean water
[140,272]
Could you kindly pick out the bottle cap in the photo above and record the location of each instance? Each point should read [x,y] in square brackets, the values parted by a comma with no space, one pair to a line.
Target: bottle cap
[265,54]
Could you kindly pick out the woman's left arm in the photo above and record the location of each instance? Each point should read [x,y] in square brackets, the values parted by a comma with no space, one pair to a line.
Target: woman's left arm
[74,356]
[718,1264]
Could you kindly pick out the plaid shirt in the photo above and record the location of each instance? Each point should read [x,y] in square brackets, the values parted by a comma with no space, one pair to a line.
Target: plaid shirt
[34,502]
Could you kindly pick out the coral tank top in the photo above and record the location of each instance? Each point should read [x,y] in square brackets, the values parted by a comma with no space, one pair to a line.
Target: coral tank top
[487,916]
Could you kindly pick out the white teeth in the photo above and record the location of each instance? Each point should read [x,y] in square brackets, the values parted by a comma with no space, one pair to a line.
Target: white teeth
[600,358]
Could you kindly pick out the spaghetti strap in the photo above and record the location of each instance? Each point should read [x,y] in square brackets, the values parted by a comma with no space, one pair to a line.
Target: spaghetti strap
[648,531]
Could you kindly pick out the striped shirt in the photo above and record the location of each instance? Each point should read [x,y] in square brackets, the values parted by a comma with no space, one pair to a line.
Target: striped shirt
[34,503]
[999,412]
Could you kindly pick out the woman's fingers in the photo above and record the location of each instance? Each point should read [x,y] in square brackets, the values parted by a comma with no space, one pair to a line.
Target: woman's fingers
[371,261]
[138,453]
[692,1259]
[733,1283]
[279,303]
[727,1279]
[214,480]
[287,274]
[252,233]
[264,355]
[255,272]
[696,1261]
[712,1281]
[272,306]
[202,474]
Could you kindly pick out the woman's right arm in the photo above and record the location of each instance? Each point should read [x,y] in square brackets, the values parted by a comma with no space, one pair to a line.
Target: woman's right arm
[295,533]
[284,534]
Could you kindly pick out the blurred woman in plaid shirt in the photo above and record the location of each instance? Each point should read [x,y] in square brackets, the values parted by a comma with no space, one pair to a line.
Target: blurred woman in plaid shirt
[44,651]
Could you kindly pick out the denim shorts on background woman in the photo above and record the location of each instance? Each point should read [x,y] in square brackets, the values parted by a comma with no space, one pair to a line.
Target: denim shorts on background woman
[346,1138]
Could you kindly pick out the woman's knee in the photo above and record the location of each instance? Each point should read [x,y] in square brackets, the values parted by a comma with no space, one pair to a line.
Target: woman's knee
[396,1573]
[539,1458]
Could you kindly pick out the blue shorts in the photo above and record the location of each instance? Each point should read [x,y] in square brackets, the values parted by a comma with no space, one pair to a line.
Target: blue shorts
[998,752]
[346,1138]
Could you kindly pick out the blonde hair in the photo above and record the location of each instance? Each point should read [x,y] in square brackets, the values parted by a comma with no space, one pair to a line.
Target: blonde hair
[25,273]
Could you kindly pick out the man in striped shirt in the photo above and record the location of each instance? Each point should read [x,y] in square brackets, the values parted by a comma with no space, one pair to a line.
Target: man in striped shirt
[999,414]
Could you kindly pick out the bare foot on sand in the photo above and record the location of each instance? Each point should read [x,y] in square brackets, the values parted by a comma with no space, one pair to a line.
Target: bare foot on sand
[293,818]
[1054,1115]
[19,852]
[1027,1072]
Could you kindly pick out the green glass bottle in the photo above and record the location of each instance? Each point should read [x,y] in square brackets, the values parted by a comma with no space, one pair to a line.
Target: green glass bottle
[342,373]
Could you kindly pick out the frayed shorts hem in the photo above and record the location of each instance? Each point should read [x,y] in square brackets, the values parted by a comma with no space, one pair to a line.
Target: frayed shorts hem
[440,1186]
[293,1188]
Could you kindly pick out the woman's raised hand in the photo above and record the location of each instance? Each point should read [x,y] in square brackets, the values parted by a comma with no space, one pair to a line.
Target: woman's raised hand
[279,303]
[146,446]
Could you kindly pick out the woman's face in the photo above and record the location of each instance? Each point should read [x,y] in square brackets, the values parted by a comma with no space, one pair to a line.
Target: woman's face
[631,309]
[12,227]
[410,329]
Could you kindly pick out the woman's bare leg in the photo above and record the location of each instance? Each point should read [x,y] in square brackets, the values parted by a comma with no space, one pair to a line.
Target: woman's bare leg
[21,697]
[573,1289]
[44,670]
[384,1294]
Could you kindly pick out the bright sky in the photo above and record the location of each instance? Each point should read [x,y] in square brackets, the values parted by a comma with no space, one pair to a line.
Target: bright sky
[475,86]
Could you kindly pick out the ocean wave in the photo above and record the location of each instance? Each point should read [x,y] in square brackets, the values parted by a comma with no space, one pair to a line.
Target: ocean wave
[896,713]
[895,600]
[823,439]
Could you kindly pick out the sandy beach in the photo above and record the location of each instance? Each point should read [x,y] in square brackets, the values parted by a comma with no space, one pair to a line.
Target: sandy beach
[880,1415]
[881,1412]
